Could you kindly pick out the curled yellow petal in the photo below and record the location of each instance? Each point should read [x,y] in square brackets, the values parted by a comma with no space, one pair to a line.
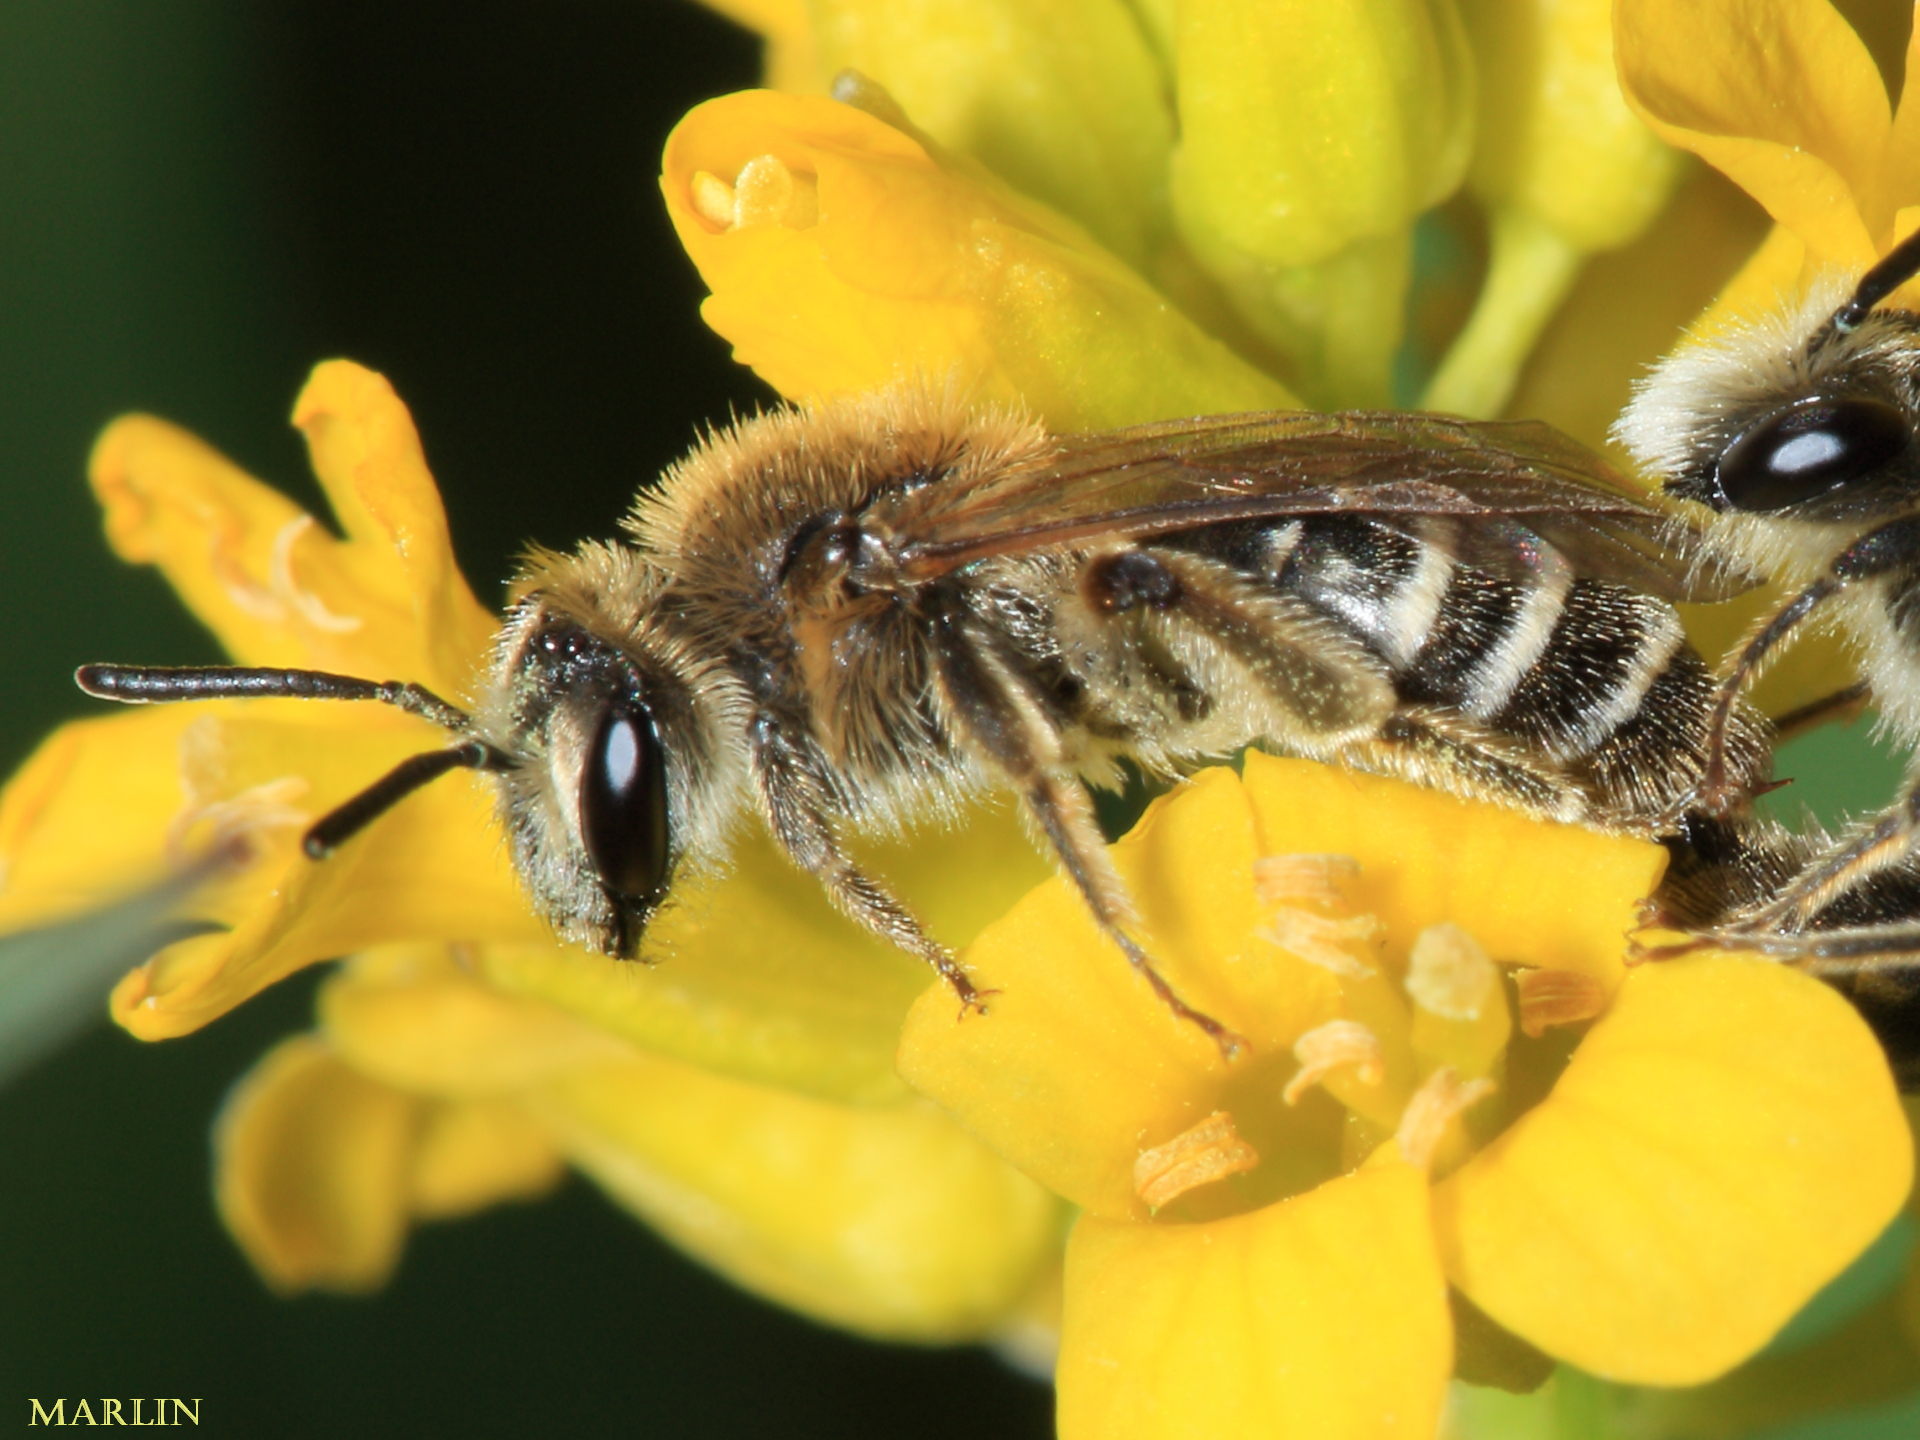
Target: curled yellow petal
[1324,1316]
[416,1017]
[919,265]
[272,583]
[884,1219]
[472,1154]
[1709,78]
[1061,98]
[1725,1140]
[431,869]
[311,1170]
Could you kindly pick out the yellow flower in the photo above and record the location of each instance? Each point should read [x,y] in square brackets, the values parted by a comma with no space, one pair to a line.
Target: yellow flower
[463,1054]
[1131,276]
[1649,1198]
[1105,215]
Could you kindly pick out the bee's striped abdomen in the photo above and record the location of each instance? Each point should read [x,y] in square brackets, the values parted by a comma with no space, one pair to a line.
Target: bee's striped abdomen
[1592,677]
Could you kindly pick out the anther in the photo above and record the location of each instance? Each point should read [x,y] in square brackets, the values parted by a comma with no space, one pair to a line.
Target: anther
[1557,997]
[1336,1045]
[1209,1151]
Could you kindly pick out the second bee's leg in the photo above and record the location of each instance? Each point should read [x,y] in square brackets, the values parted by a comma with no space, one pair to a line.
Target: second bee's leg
[1005,718]
[793,798]
[1843,868]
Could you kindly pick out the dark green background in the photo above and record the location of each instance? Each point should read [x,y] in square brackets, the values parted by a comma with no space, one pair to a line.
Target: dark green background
[199,199]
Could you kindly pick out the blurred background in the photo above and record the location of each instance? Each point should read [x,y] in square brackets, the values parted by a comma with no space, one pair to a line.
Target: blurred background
[198,200]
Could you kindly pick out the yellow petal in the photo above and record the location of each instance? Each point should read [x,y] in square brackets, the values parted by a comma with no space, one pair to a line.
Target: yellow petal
[1556,138]
[366,455]
[1709,78]
[886,1220]
[1724,1142]
[757,976]
[1304,128]
[911,265]
[1900,167]
[1073,1032]
[477,1153]
[431,869]
[1061,98]
[57,857]
[1322,1316]
[415,1017]
[275,587]
[311,1170]
[1531,893]
[1311,137]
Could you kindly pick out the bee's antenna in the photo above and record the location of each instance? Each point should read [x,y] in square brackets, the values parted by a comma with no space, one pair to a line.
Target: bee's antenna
[350,817]
[1898,266]
[154,684]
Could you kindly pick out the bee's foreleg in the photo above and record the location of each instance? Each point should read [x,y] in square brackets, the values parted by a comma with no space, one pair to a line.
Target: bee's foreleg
[1718,794]
[1002,714]
[794,798]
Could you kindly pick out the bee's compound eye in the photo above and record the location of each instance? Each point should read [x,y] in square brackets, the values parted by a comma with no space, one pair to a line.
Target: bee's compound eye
[1812,449]
[623,803]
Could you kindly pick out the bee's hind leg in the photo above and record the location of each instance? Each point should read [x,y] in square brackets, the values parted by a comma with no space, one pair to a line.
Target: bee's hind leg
[1449,752]
[1003,715]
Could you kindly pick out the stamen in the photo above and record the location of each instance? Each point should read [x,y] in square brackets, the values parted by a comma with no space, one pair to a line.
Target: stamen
[712,199]
[280,577]
[1332,944]
[1435,1106]
[1211,1150]
[765,192]
[267,806]
[1557,997]
[768,193]
[1322,882]
[1449,974]
[1330,1047]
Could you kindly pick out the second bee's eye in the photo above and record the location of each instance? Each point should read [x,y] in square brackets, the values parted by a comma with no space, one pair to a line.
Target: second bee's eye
[1812,449]
[623,803]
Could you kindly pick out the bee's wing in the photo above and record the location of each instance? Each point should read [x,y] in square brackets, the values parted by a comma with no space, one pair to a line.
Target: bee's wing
[1528,483]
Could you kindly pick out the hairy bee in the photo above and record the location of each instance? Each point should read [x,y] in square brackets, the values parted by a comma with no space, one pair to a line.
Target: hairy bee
[838,617]
[1797,438]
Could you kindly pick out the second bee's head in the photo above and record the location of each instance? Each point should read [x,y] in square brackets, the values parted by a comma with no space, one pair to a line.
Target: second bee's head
[1798,431]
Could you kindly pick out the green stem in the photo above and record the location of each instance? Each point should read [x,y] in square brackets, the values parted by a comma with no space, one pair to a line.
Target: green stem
[1530,267]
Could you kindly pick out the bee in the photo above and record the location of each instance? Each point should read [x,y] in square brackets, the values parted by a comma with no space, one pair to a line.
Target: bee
[840,617]
[1796,443]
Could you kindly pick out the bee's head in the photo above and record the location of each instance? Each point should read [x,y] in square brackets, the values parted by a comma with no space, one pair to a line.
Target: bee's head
[609,753]
[1809,418]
